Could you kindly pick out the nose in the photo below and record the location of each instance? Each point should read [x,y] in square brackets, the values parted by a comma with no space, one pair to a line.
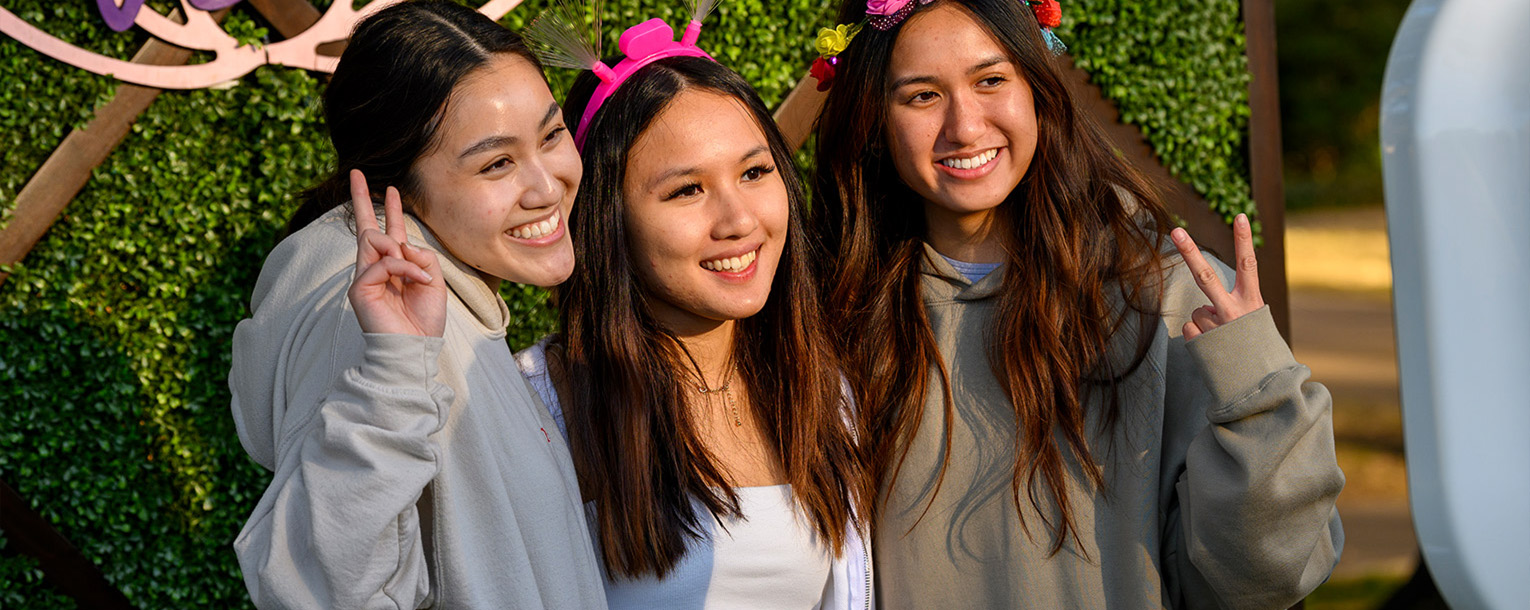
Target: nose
[543,188]
[964,120]
[735,215]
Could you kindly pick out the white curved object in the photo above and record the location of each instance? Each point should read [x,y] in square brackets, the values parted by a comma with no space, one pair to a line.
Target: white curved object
[1455,135]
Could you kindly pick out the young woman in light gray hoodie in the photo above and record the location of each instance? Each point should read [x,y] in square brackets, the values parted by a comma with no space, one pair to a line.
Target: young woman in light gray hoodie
[413,466]
[1064,404]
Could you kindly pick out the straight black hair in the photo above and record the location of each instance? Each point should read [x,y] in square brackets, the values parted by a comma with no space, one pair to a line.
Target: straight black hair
[390,90]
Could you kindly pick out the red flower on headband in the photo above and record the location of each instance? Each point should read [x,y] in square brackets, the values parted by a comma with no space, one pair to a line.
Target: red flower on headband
[1048,13]
[823,70]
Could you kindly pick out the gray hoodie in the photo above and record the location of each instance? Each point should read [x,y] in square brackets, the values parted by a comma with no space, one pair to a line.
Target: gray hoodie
[1220,474]
[410,472]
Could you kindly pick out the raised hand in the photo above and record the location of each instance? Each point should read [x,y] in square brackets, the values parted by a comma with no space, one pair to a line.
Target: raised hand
[1225,306]
[398,288]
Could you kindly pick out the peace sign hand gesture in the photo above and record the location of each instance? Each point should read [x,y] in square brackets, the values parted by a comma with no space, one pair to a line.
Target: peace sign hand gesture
[398,288]
[1225,306]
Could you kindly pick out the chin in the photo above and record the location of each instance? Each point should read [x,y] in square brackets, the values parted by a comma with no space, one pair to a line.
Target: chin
[545,276]
[735,312]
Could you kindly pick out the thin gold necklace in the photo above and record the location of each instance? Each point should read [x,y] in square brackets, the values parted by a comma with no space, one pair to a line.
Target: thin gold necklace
[726,389]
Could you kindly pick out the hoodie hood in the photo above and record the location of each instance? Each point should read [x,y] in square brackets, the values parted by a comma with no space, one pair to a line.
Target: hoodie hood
[302,330]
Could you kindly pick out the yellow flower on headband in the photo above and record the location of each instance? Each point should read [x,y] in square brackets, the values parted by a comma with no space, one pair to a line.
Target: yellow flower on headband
[831,42]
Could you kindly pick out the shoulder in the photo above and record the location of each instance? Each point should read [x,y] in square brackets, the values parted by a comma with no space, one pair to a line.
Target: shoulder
[535,364]
[533,360]
[307,260]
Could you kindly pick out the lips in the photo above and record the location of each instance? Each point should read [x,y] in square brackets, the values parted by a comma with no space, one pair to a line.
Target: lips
[731,264]
[539,229]
[970,162]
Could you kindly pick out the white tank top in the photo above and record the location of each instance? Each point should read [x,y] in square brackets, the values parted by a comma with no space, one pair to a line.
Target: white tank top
[770,559]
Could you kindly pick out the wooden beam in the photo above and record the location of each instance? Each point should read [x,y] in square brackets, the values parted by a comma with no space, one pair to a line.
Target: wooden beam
[1206,226]
[62,565]
[68,168]
[1264,156]
[799,111]
[291,17]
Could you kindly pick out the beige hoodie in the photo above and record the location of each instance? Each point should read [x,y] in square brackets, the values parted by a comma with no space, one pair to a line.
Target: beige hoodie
[409,472]
[1220,475]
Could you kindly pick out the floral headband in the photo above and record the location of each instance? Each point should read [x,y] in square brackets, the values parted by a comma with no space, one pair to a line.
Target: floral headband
[885,14]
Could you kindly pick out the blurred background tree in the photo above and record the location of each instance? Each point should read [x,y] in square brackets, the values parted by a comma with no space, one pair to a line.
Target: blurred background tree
[1332,57]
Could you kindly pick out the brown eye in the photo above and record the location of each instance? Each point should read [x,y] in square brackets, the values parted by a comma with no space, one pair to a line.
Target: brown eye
[498,164]
[690,190]
[922,97]
[757,172]
[552,136]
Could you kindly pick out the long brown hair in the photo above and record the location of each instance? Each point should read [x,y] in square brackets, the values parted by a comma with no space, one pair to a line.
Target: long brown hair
[1080,227]
[637,449]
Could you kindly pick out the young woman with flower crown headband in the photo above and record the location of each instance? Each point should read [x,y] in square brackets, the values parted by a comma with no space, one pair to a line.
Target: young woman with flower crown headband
[703,405]
[1062,404]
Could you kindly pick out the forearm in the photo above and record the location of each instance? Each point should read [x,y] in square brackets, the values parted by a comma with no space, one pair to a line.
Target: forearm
[1257,496]
[338,526]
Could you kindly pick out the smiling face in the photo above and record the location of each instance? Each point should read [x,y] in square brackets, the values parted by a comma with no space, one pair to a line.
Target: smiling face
[706,211]
[497,185]
[961,124]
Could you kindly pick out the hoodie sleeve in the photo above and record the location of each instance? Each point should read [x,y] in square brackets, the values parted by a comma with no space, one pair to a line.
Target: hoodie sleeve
[348,419]
[1252,521]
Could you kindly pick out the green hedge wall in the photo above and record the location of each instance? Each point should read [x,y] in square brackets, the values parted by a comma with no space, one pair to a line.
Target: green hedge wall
[114,332]
[1177,70]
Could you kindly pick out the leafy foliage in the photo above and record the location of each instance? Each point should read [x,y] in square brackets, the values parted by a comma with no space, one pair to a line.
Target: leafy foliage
[1177,70]
[115,331]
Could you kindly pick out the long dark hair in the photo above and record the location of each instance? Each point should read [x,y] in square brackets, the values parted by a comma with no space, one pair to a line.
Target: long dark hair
[638,452]
[1081,226]
[390,90]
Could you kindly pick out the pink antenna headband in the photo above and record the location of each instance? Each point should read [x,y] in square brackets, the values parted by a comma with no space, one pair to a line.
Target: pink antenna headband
[558,39]
[642,44]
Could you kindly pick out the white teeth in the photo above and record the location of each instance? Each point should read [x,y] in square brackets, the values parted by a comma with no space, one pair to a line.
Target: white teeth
[971,162]
[535,230]
[736,263]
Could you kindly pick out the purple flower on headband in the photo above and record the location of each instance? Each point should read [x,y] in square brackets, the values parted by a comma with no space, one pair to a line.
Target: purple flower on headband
[885,7]
[885,14]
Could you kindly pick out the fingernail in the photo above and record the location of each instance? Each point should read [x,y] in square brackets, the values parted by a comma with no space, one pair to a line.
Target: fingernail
[427,276]
[1178,235]
[1243,219]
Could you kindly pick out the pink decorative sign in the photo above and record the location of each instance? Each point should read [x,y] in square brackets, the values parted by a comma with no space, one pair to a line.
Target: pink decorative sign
[202,33]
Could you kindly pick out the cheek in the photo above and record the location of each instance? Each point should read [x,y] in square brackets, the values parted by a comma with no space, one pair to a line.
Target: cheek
[1022,116]
[911,141]
[903,136]
[566,166]
[651,245]
[777,216]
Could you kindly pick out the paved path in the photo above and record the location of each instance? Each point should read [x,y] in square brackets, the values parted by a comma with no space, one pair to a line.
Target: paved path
[1346,336]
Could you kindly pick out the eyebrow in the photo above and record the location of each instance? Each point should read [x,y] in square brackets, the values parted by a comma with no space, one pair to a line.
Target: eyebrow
[493,142]
[691,171]
[926,79]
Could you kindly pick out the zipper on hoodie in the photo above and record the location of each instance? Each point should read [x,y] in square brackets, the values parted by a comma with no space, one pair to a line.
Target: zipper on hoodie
[866,565]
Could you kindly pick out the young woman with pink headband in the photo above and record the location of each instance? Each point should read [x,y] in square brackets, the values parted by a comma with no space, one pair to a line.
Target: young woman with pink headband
[694,378]
[1063,404]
